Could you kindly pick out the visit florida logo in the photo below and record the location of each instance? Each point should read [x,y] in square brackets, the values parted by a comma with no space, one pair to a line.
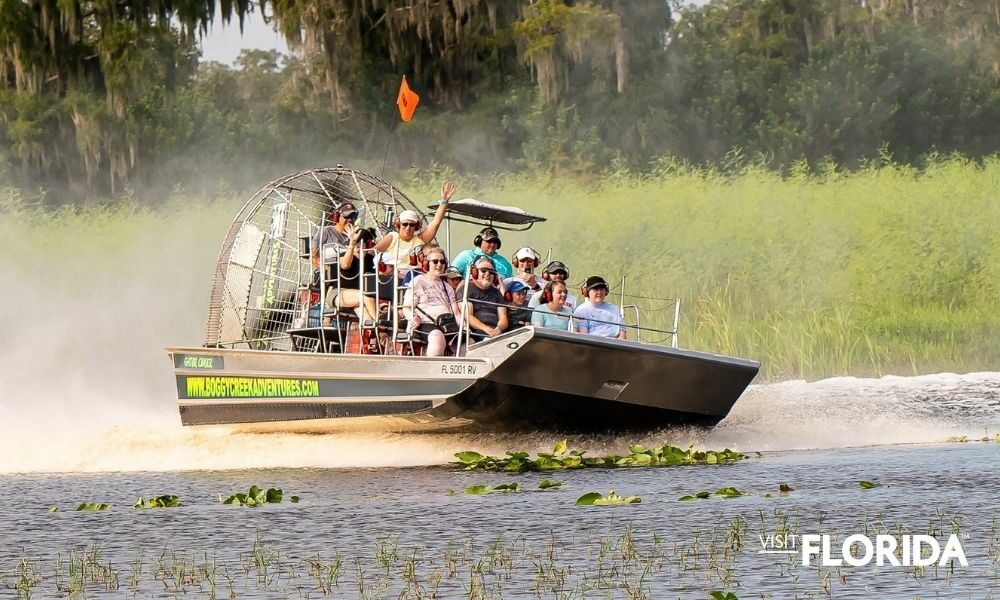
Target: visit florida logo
[859,550]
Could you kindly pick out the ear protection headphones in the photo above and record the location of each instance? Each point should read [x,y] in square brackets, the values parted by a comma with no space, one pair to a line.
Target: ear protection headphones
[425,263]
[547,277]
[397,224]
[474,272]
[517,262]
[548,292]
[509,295]
[478,241]
[336,214]
[367,239]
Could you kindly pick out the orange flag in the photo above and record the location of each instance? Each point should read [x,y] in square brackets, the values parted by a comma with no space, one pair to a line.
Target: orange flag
[407,101]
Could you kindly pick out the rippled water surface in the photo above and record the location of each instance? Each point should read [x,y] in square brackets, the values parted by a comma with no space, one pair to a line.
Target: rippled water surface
[376,518]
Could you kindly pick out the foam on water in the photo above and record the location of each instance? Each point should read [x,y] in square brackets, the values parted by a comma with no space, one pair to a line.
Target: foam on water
[116,435]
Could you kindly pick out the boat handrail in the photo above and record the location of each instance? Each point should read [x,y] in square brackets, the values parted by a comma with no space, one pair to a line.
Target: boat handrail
[330,278]
[670,332]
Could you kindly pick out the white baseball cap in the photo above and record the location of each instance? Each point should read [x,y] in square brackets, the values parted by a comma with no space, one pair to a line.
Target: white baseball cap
[527,252]
[410,215]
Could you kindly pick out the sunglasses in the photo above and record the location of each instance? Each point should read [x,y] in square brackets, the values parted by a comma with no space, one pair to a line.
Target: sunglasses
[559,272]
[408,224]
[493,241]
[438,261]
[350,216]
[490,272]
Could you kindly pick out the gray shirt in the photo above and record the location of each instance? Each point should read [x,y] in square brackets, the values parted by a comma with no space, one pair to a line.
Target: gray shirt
[330,243]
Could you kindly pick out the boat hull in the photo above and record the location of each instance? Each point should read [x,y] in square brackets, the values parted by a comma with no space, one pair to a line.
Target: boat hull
[528,379]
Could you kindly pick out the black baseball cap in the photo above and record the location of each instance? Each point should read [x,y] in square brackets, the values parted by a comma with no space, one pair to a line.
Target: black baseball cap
[489,233]
[595,281]
[555,265]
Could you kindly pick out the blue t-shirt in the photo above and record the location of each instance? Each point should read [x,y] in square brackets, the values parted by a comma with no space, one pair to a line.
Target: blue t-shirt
[604,311]
[543,317]
[467,257]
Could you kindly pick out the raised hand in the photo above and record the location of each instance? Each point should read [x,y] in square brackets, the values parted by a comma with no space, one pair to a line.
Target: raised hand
[447,190]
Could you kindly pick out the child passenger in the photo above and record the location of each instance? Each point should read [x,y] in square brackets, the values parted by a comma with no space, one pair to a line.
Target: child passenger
[596,316]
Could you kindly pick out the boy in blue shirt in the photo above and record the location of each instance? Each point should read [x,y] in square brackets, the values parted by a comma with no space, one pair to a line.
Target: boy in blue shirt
[596,316]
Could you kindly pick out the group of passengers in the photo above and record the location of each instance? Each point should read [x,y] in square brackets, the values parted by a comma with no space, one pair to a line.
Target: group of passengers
[501,295]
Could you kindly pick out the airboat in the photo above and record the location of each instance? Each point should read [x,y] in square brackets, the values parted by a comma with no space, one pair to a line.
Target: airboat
[276,359]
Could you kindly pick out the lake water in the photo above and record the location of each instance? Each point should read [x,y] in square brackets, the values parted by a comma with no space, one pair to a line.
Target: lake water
[376,518]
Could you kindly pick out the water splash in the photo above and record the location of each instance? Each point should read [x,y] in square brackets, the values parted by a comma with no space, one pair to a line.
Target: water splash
[833,413]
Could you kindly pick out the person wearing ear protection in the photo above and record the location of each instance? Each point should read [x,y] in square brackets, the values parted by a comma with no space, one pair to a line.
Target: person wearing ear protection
[357,257]
[487,315]
[487,243]
[332,239]
[454,277]
[433,304]
[397,246]
[553,312]
[596,316]
[554,271]
[526,260]
[518,313]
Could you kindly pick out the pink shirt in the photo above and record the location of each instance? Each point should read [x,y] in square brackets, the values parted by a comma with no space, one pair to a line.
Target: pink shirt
[432,297]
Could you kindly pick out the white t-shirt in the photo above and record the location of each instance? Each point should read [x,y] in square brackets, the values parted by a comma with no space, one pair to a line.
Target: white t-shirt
[604,311]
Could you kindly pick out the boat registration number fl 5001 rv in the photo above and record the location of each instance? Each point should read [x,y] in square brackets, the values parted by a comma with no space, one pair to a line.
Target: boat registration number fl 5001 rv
[458,369]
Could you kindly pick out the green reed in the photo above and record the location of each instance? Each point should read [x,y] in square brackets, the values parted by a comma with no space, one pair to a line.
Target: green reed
[716,553]
[888,269]
[884,270]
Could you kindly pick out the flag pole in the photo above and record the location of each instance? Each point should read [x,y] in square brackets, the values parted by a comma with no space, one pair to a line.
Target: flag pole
[388,137]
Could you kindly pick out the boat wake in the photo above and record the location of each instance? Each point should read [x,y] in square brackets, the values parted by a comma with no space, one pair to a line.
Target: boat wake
[125,434]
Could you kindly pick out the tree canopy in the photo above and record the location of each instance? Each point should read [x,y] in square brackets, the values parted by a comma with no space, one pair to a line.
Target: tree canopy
[96,95]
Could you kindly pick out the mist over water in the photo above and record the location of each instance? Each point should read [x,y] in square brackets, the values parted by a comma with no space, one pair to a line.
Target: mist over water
[88,307]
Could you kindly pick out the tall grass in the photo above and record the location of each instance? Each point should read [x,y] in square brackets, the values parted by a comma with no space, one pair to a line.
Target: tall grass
[888,269]
[885,270]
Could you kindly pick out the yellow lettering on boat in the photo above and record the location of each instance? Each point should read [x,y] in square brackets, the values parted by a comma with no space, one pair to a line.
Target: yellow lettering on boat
[199,362]
[251,387]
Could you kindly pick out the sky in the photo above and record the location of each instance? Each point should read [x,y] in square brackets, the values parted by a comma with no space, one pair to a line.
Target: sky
[224,42]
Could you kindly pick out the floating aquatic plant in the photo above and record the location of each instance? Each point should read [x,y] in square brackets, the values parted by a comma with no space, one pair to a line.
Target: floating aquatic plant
[92,506]
[545,484]
[478,490]
[726,492]
[165,501]
[596,499]
[867,485]
[563,458]
[257,496]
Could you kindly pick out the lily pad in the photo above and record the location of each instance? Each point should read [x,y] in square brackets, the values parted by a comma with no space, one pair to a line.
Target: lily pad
[612,499]
[165,501]
[256,496]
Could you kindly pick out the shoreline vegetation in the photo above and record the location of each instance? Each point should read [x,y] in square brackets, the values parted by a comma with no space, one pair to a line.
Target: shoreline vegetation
[888,269]
[97,98]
